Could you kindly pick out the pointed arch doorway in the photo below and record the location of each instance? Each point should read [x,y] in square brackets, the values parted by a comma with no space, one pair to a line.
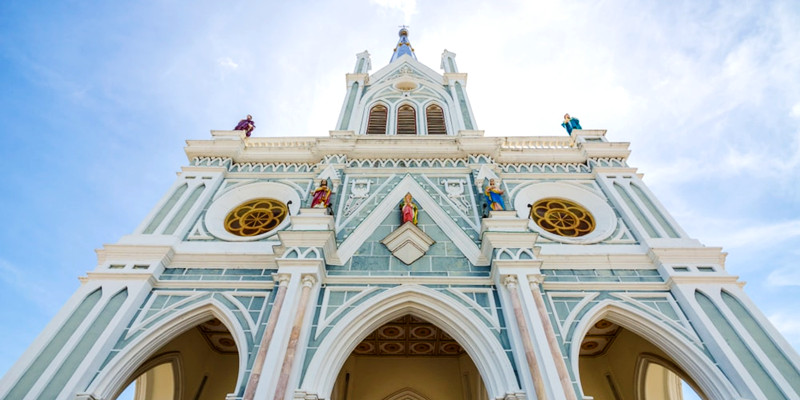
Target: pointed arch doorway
[409,358]
[201,363]
[446,313]
[616,363]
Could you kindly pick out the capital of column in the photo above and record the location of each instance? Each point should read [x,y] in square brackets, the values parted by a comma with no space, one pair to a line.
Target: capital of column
[282,279]
[535,280]
[309,280]
[510,281]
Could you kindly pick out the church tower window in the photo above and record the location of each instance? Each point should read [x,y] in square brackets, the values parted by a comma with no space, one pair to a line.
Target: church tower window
[377,120]
[406,120]
[434,117]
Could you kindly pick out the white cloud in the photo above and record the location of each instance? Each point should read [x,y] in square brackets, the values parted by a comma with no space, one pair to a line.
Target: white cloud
[735,234]
[407,7]
[227,62]
[787,276]
[796,110]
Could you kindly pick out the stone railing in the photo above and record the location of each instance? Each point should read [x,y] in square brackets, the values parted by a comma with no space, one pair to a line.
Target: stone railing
[274,142]
[537,142]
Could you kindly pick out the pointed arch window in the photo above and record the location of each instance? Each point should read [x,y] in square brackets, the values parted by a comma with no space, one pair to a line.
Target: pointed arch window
[434,117]
[406,120]
[376,125]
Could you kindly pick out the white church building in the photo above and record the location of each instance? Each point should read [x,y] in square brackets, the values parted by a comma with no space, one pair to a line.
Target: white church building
[407,255]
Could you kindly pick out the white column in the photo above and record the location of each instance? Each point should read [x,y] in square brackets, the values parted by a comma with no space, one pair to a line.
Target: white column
[288,360]
[510,282]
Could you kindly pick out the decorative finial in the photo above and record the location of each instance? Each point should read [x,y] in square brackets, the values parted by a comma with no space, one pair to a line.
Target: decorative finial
[403,45]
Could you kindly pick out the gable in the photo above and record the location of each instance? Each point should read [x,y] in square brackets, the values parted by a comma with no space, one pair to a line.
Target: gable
[385,214]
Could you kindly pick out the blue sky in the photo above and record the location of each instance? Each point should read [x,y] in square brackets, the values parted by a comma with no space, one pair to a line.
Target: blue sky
[99,97]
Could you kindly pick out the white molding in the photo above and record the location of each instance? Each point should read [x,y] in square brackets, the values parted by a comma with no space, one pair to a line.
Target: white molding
[408,185]
[604,216]
[325,319]
[219,209]
[687,356]
[491,315]
[437,308]
[112,378]
[408,243]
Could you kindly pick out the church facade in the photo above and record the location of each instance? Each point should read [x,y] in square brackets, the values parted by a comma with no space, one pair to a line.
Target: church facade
[407,255]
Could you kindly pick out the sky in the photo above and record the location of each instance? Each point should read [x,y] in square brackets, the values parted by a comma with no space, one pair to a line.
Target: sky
[98,98]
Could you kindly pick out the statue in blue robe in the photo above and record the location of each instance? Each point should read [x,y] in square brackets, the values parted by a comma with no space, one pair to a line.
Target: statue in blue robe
[494,197]
[570,123]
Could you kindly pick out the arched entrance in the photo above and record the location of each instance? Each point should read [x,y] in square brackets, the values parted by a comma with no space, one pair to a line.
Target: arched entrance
[426,304]
[616,363]
[637,348]
[166,343]
[199,364]
[409,358]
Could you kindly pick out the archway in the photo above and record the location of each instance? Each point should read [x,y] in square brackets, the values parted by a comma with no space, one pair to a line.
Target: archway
[446,313]
[616,363]
[652,343]
[199,364]
[409,358]
[146,350]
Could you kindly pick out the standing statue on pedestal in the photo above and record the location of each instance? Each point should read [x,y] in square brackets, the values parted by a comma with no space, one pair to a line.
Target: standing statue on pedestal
[409,209]
[494,197]
[321,196]
[570,123]
[247,125]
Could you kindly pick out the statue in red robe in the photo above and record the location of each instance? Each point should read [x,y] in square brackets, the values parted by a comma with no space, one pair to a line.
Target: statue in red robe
[247,125]
[409,209]
[321,196]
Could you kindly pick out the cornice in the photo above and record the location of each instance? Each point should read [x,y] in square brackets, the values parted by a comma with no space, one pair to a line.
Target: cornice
[530,149]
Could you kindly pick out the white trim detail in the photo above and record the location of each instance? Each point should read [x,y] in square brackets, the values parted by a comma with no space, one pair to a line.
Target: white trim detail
[490,314]
[406,394]
[408,185]
[326,319]
[686,355]
[437,308]
[111,379]
[604,217]
[219,209]
[681,325]
[585,297]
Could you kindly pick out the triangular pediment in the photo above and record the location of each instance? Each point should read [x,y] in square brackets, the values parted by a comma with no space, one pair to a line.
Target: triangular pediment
[427,204]
[405,66]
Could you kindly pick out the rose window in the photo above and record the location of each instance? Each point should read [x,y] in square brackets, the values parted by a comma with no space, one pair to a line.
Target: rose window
[562,217]
[255,217]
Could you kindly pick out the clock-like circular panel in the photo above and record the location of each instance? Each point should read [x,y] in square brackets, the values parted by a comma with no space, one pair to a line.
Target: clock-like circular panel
[562,217]
[255,217]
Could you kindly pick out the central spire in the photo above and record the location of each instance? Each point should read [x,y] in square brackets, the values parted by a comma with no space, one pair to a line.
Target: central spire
[403,46]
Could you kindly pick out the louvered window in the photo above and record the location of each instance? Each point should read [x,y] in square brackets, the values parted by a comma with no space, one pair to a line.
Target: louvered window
[406,120]
[435,118]
[377,121]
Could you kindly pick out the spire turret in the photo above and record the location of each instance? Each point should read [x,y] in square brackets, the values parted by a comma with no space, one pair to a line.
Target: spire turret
[403,46]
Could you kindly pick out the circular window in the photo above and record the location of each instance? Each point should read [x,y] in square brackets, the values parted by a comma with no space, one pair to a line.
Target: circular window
[255,217]
[562,217]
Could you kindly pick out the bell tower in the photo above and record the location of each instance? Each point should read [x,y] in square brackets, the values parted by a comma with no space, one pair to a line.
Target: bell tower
[406,97]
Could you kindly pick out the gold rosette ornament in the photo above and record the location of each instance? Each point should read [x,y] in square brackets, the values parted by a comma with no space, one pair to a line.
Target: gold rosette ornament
[562,217]
[255,217]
